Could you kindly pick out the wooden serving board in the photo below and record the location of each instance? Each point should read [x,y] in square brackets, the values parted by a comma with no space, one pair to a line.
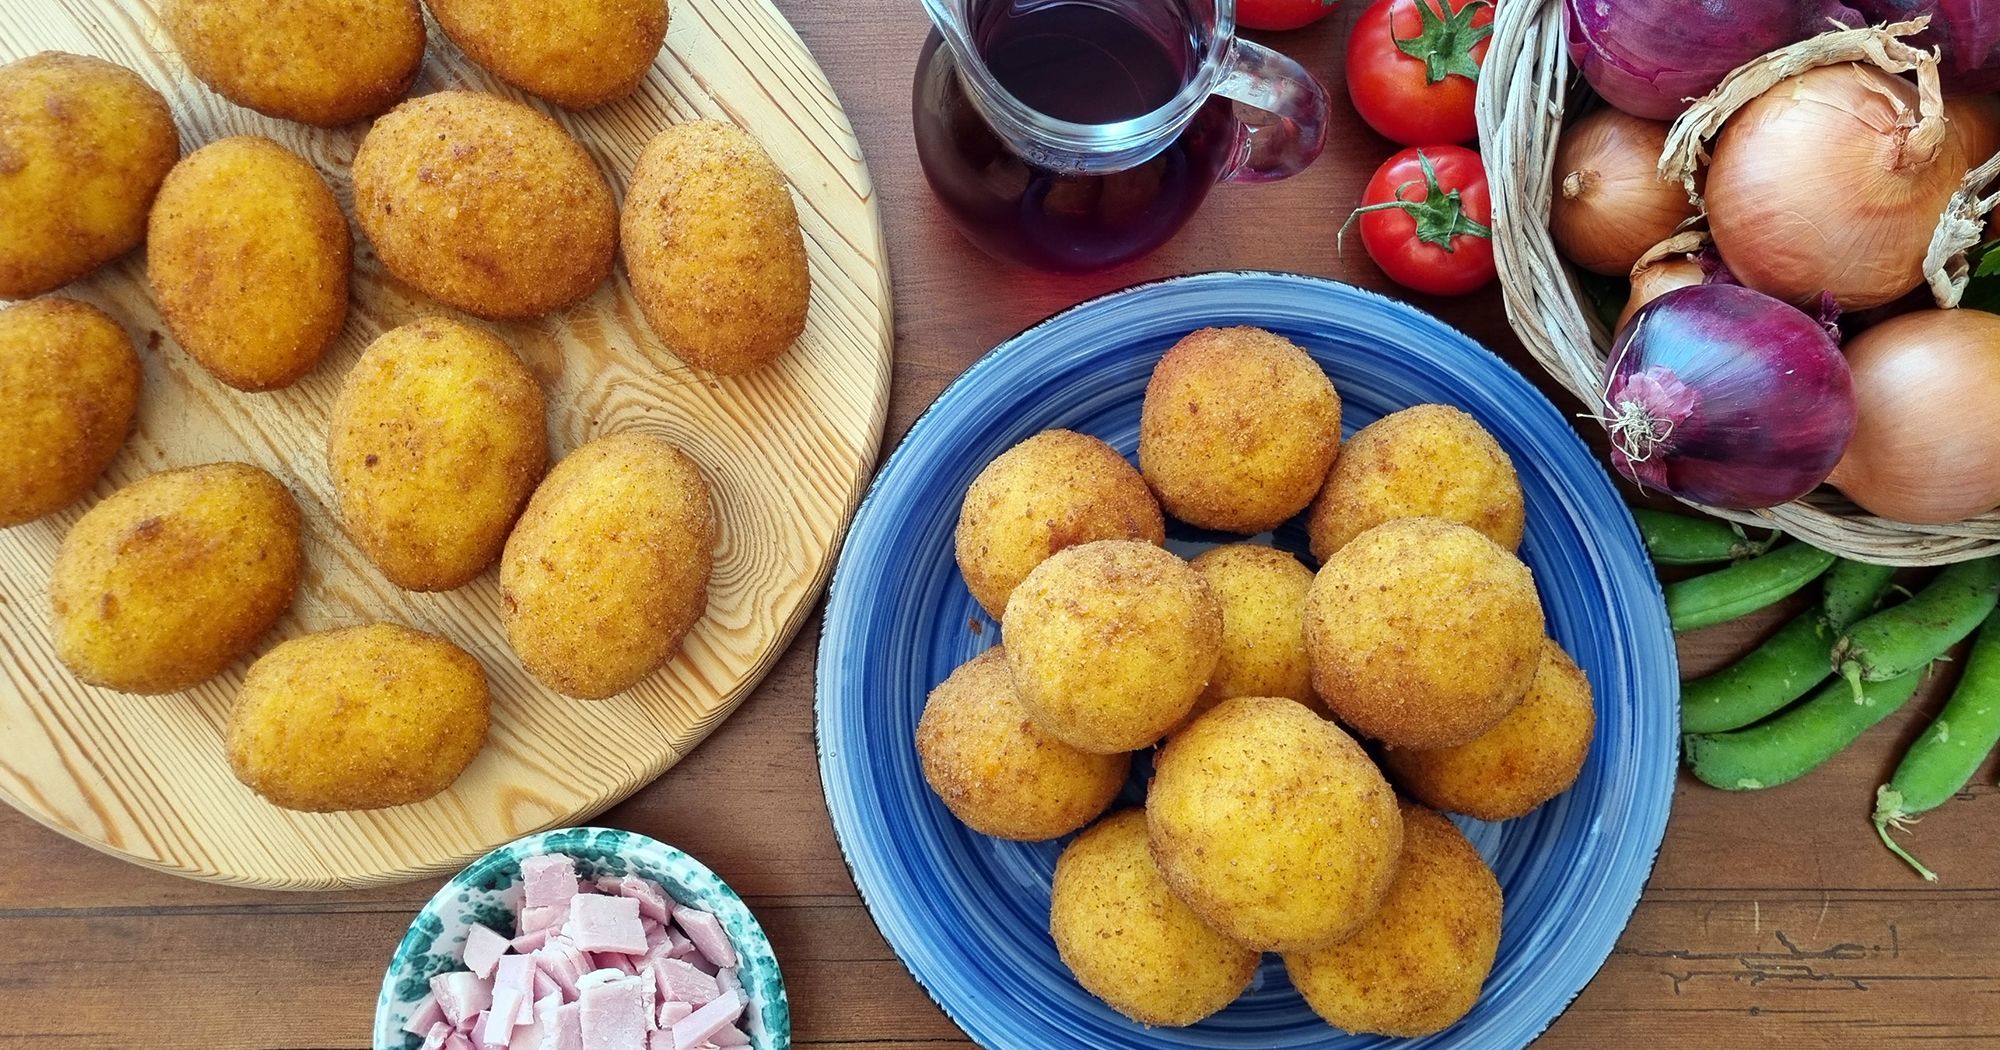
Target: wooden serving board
[787,451]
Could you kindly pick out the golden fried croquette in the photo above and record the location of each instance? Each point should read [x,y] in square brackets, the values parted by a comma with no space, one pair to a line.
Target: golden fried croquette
[1273,825]
[247,254]
[1262,592]
[996,771]
[1110,642]
[83,147]
[608,567]
[324,62]
[1532,756]
[435,442]
[712,241]
[357,718]
[69,388]
[1129,940]
[173,577]
[1418,966]
[577,54]
[1238,429]
[1052,491]
[484,204]
[1430,461]
[1423,633]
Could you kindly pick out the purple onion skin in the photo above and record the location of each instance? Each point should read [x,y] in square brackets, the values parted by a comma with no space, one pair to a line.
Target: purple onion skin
[1968,32]
[1753,395]
[1648,57]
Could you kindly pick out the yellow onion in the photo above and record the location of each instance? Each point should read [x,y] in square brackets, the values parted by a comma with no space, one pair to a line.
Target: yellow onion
[1610,203]
[1834,179]
[1926,445]
[1650,280]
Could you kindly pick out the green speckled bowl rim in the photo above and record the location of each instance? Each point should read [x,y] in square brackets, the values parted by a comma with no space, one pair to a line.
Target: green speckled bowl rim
[598,851]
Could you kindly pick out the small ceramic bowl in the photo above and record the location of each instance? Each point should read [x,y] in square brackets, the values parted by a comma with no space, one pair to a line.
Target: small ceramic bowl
[489,892]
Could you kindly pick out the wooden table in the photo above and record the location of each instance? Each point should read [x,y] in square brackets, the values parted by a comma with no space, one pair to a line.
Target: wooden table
[1772,920]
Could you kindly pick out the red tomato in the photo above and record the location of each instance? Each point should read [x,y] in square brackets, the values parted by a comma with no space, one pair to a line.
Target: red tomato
[1425,220]
[1413,68]
[1282,14]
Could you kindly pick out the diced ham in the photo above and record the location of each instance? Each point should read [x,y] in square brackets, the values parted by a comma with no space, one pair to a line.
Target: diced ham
[546,1007]
[605,884]
[727,980]
[681,982]
[550,880]
[673,1011]
[652,899]
[435,1037]
[682,947]
[527,1036]
[697,1027]
[563,963]
[606,924]
[483,948]
[706,932]
[565,1030]
[543,918]
[614,1015]
[545,986]
[458,1041]
[730,1036]
[528,942]
[656,931]
[660,1041]
[509,1006]
[461,995]
[424,1015]
[619,961]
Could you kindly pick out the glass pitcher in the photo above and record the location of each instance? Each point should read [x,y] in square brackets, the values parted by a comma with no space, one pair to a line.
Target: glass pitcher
[1074,135]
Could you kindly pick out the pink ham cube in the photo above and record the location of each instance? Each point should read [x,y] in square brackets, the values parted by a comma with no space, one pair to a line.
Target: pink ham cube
[619,961]
[483,948]
[706,932]
[563,963]
[730,1036]
[545,986]
[543,919]
[680,946]
[564,1029]
[461,995]
[697,1027]
[528,942]
[517,972]
[423,1016]
[726,978]
[681,982]
[653,903]
[457,1041]
[673,1011]
[549,880]
[434,1039]
[527,1037]
[607,924]
[614,1015]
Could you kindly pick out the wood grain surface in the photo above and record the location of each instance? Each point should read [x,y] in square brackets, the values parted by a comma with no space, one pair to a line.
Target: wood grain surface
[786,451]
[1773,920]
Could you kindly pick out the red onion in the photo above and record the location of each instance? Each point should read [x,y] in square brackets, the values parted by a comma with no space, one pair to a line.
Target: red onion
[1728,397]
[1648,57]
[1966,31]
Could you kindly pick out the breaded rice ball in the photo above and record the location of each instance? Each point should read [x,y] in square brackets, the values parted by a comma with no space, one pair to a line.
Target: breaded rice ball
[1262,591]
[247,254]
[358,718]
[1052,491]
[713,246]
[1423,633]
[1429,461]
[435,443]
[1238,429]
[1533,755]
[608,567]
[1110,642]
[999,773]
[1273,825]
[324,62]
[577,53]
[171,578]
[83,147]
[1418,967]
[1129,940]
[69,388]
[484,204]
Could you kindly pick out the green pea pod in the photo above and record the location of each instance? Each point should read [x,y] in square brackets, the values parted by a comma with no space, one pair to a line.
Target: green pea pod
[1770,676]
[1783,749]
[1943,760]
[1908,637]
[1745,587]
[1853,589]
[1680,539]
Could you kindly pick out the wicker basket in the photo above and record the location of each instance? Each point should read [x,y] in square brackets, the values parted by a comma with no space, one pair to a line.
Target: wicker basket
[1523,90]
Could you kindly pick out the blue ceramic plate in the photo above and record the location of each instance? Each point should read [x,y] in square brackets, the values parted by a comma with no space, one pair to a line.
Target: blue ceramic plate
[969,914]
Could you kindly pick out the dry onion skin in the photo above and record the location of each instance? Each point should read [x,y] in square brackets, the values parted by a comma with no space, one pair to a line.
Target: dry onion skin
[1909,460]
[1610,203]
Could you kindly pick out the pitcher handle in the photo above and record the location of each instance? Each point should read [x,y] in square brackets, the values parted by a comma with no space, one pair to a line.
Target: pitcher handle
[1282,110]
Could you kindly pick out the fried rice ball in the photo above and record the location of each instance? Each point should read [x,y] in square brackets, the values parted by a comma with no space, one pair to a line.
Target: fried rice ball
[484,204]
[1429,461]
[83,147]
[171,578]
[1533,755]
[608,567]
[577,54]
[435,443]
[1238,429]
[1423,633]
[248,254]
[1273,825]
[69,389]
[1129,940]
[1052,491]
[1262,591]
[1110,642]
[324,62]
[996,771]
[358,718]
[1418,966]
[713,245]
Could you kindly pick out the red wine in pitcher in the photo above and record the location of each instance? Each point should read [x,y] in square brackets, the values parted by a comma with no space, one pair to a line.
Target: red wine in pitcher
[1089,62]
